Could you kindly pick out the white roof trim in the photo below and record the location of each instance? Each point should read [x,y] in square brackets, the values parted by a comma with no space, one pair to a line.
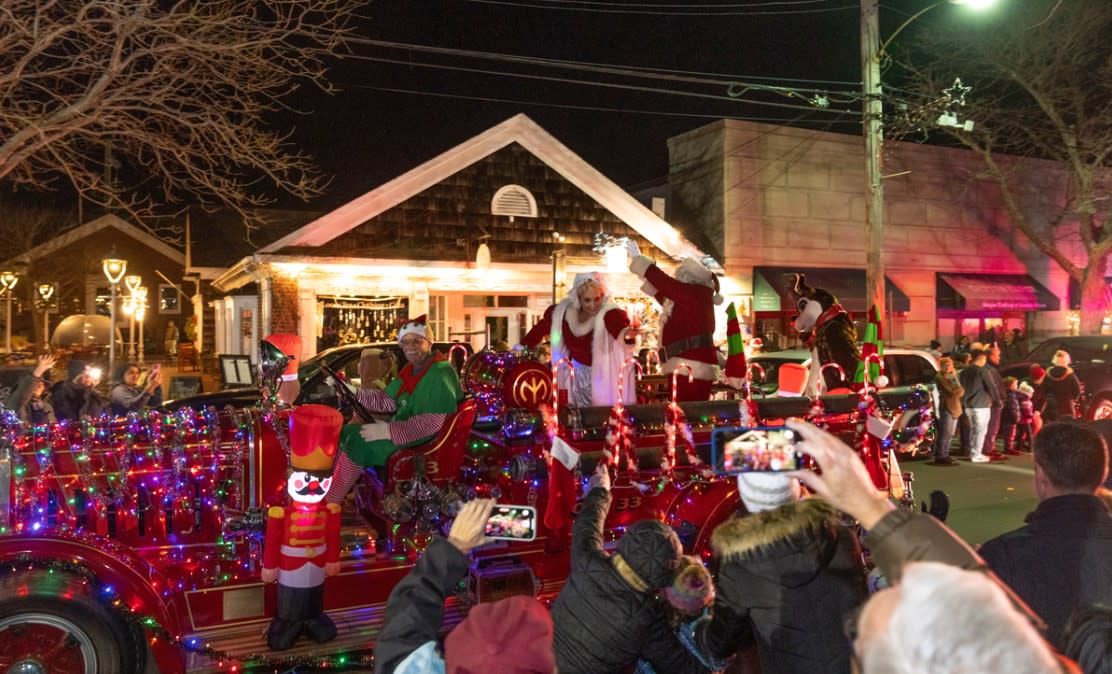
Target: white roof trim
[76,234]
[533,138]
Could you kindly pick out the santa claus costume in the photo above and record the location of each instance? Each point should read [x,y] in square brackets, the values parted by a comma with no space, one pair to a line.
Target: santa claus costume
[687,320]
[302,544]
[598,346]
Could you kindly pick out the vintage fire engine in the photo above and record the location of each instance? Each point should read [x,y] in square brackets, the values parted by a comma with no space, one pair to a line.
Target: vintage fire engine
[134,544]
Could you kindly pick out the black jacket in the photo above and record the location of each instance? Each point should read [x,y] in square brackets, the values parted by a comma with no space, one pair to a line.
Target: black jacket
[786,577]
[601,623]
[1060,560]
[1062,389]
[73,402]
[980,389]
[416,605]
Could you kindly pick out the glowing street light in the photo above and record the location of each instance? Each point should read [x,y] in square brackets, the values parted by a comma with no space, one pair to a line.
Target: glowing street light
[140,314]
[114,270]
[132,281]
[46,291]
[8,279]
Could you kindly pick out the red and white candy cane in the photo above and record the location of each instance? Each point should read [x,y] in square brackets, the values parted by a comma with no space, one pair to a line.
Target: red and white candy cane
[872,357]
[820,385]
[452,352]
[675,374]
[556,384]
[621,376]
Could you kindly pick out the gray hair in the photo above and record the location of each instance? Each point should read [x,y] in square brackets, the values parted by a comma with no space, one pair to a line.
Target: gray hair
[952,621]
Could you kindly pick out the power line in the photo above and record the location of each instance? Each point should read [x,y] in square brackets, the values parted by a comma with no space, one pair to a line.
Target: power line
[571,106]
[532,4]
[605,85]
[694,77]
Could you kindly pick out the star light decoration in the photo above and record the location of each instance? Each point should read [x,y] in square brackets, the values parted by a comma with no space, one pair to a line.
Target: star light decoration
[956,93]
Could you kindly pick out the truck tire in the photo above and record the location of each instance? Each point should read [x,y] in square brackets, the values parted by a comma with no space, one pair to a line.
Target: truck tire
[42,633]
[1100,409]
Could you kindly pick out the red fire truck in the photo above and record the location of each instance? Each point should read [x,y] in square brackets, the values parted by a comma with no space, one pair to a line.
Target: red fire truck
[135,544]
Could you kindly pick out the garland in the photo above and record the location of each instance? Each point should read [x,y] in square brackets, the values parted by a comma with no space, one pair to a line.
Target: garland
[254,662]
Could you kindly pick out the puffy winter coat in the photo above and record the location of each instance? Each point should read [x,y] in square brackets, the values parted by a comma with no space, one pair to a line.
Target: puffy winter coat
[1063,389]
[607,616]
[786,577]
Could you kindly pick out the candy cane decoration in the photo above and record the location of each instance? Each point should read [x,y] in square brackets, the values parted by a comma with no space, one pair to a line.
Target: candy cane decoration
[556,385]
[820,385]
[746,408]
[865,381]
[621,375]
[675,373]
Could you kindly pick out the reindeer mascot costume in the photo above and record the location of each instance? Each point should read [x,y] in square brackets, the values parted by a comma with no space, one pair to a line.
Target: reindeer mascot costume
[827,330]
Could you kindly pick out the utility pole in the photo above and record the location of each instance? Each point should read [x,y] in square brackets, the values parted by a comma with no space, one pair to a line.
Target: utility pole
[873,131]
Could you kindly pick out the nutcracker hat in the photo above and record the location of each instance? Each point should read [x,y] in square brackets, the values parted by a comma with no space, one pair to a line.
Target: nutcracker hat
[791,379]
[416,326]
[314,437]
[290,346]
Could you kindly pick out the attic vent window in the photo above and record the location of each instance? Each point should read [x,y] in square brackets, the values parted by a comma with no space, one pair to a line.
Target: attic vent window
[514,201]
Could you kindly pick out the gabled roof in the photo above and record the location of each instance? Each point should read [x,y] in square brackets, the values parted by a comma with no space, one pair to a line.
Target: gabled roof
[103,222]
[518,129]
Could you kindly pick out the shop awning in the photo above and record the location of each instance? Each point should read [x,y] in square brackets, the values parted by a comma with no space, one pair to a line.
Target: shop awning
[993,292]
[770,289]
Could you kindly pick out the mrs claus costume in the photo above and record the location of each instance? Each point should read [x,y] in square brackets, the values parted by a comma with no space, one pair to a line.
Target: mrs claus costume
[597,346]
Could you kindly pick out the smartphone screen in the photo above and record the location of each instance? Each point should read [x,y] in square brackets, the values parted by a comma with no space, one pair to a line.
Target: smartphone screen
[512,523]
[750,450]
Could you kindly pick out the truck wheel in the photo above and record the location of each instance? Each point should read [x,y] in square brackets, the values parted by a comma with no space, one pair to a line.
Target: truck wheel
[1101,409]
[40,635]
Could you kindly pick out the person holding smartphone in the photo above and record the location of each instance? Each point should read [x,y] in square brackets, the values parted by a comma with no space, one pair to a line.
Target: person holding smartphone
[129,395]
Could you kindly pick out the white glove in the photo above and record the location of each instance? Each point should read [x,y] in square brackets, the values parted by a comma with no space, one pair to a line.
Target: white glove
[372,432]
[632,249]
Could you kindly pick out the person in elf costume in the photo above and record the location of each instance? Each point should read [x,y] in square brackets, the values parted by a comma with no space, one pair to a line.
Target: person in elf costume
[419,400]
[302,544]
[288,345]
[596,335]
[687,320]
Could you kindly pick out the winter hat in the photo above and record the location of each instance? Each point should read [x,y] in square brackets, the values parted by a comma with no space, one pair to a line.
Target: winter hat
[766,491]
[791,379]
[75,369]
[648,555]
[121,370]
[583,279]
[416,326]
[1061,359]
[693,588]
[513,635]
[1037,372]
[1026,388]
[693,271]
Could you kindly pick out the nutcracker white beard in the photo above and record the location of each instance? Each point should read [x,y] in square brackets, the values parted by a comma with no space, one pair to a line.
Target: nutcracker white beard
[304,487]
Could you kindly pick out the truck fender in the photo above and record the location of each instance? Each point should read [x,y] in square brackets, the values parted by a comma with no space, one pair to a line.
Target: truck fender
[702,506]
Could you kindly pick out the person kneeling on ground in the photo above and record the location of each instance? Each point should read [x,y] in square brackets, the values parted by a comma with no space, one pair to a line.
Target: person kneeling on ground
[420,400]
[608,616]
[509,636]
[982,626]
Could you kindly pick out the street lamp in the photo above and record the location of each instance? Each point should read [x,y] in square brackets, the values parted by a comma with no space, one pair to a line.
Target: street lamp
[46,291]
[114,270]
[8,279]
[140,314]
[872,51]
[132,282]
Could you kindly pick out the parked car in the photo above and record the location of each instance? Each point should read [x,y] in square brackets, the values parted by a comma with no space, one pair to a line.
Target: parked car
[1092,362]
[315,388]
[904,367]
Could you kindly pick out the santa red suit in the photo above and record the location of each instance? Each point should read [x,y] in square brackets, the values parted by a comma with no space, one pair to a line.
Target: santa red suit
[598,347]
[687,323]
[302,543]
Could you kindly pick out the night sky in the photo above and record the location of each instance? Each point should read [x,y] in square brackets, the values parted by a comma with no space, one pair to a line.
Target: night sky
[367,134]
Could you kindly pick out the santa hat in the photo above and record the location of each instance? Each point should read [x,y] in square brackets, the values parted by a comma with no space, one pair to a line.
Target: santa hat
[791,379]
[513,635]
[416,326]
[766,491]
[314,437]
[1061,359]
[290,346]
[693,588]
[693,271]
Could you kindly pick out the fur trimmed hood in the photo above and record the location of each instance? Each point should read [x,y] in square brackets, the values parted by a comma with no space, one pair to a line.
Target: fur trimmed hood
[792,543]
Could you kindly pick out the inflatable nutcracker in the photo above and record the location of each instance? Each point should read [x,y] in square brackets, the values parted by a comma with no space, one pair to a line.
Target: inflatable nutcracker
[303,538]
[289,346]
[687,321]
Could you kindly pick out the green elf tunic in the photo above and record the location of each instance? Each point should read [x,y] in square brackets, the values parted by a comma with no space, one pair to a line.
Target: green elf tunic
[420,402]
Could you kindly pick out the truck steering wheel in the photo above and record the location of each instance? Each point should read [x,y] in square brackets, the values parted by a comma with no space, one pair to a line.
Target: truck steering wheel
[347,398]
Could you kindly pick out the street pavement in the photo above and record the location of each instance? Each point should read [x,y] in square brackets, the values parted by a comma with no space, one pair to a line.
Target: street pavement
[986,499]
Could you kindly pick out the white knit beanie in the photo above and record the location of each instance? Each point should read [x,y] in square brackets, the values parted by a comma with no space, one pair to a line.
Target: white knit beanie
[1061,359]
[766,491]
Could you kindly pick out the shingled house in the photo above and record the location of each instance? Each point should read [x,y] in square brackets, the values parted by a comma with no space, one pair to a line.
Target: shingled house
[480,238]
